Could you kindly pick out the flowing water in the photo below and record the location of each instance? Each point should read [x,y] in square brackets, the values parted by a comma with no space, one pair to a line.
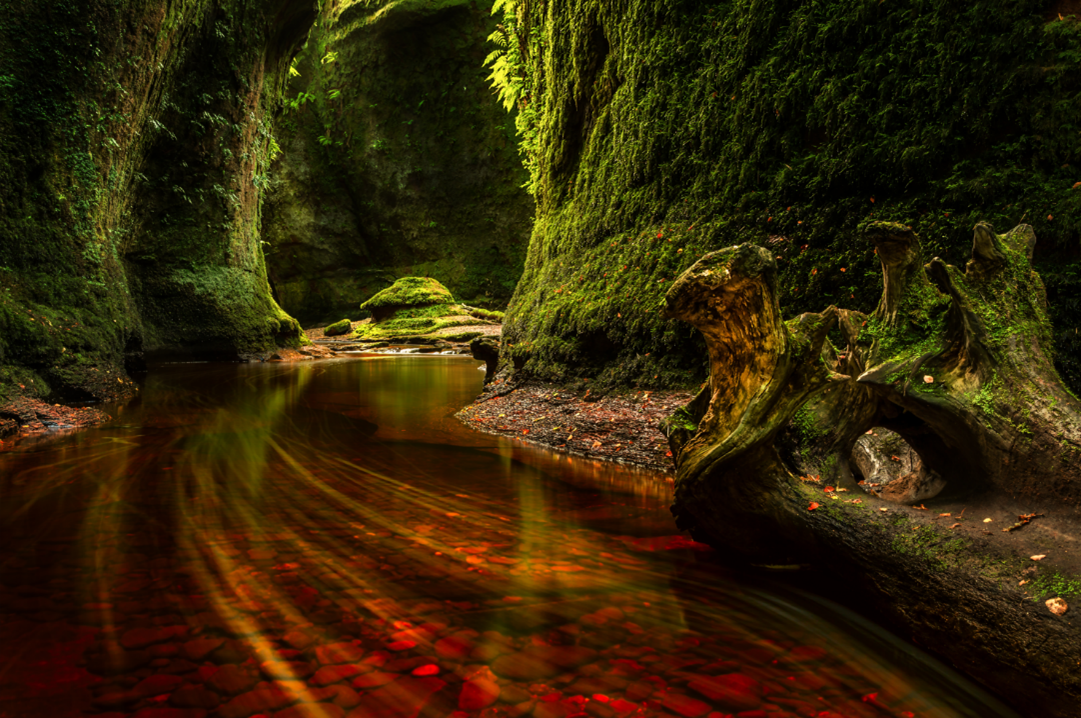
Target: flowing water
[326,540]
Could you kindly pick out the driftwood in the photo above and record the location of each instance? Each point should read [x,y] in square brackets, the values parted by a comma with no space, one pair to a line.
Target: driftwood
[955,362]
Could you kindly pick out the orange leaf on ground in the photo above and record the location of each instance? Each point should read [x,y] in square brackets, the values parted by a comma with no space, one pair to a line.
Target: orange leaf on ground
[813,505]
[1038,557]
[1056,606]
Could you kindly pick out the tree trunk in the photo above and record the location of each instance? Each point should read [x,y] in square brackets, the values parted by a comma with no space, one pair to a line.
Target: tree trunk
[956,363]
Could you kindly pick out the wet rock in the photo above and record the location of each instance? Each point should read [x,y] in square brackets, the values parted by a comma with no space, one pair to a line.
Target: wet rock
[373,680]
[540,662]
[345,697]
[337,653]
[684,705]
[286,669]
[550,710]
[166,712]
[111,664]
[329,675]
[115,697]
[179,666]
[230,680]
[199,648]
[143,637]
[312,710]
[191,696]
[229,652]
[478,694]
[299,639]
[734,691]
[513,694]
[405,698]
[157,685]
[260,700]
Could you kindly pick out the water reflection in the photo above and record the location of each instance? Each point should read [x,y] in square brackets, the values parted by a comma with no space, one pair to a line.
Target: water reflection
[327,540]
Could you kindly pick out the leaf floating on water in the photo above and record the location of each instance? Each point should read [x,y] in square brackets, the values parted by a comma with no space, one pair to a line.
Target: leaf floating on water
[1056,606]
[813,505]
[1038,557]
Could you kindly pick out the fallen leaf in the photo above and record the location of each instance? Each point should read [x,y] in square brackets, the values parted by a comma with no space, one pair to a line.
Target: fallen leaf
[1056,606]
[839,490]
[596,444]
[928,379]
[987,521]
[921,507]
[955,526]
[1022,582]
[883,509]
[812,506]
[945,514]
[828,489]
[856,501]
[1038,557]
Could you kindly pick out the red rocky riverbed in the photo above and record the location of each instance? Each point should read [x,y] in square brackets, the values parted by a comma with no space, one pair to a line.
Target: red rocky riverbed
[241,544]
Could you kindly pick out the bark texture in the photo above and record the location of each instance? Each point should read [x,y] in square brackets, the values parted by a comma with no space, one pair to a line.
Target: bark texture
[955,361]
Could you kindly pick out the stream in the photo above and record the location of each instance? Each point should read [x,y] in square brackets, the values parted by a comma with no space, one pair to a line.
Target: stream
[322,540]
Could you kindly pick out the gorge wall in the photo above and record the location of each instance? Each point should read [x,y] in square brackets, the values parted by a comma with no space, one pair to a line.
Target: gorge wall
[396,161]
[657,131]
[134,140]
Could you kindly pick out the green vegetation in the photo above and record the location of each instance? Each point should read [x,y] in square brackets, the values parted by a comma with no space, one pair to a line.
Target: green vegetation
[133,156]
[410,292]
[669,129]
[398,161]
[338,328]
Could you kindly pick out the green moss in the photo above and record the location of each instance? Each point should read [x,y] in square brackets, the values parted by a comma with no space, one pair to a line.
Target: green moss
[788,125]
[1050,584]
[397,161]
[132,142]
[337,328]
[410,292]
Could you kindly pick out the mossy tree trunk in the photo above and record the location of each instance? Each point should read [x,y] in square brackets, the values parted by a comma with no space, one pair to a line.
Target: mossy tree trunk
[955,361]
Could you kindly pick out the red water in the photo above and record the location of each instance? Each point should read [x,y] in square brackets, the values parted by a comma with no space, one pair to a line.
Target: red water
[239,543]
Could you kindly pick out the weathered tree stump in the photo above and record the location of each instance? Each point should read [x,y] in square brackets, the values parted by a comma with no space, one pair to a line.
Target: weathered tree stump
[955,362]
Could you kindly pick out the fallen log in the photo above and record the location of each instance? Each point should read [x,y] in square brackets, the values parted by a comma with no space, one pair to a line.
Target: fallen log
[957,363]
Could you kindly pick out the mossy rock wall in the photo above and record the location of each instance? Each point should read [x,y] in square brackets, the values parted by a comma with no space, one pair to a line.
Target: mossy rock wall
[133,154]
[397,161]
[657,131]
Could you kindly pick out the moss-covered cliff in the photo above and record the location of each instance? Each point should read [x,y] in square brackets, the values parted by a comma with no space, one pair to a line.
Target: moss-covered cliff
[657,131]
[133,150]
[396,161]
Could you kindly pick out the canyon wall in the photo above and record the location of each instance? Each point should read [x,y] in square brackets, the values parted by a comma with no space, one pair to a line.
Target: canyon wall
[134,140]
[658,131]
[396,161]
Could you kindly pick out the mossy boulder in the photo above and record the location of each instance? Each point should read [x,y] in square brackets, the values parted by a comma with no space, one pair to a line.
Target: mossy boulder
[338,328]
[407,293]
